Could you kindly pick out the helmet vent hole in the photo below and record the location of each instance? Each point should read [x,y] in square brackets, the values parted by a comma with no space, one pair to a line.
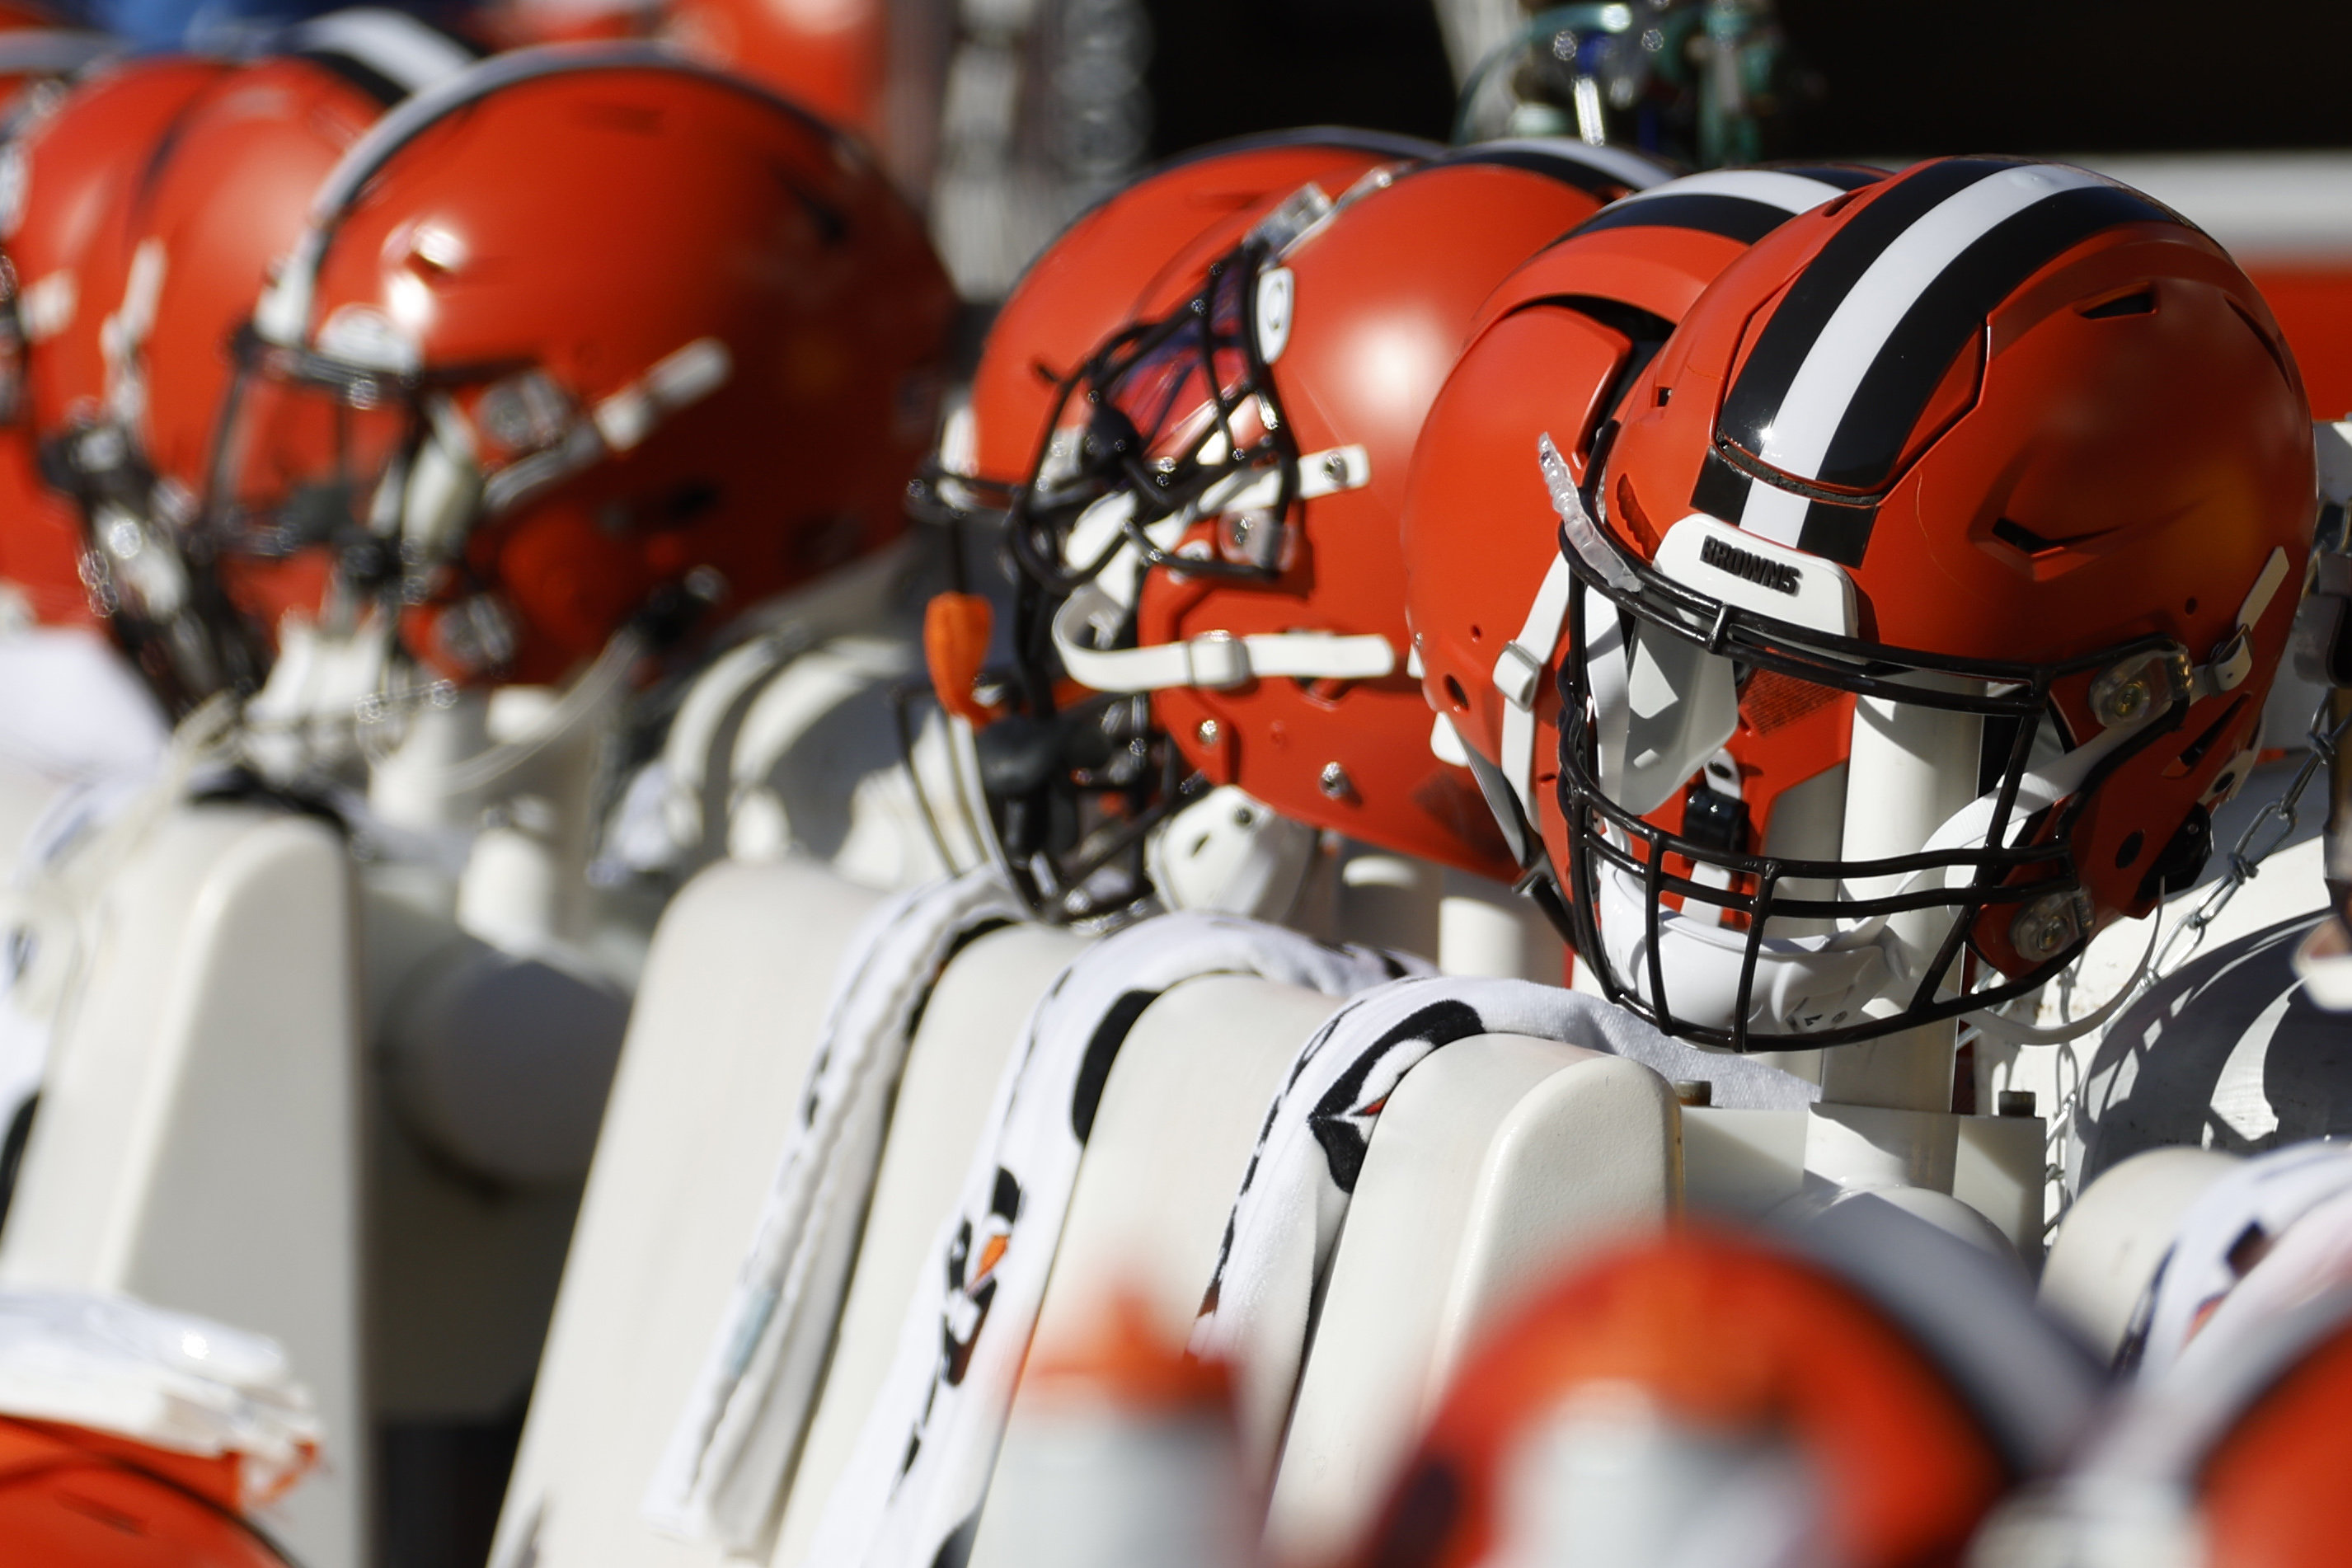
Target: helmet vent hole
[2138,303]
[2017,536]
[1456,695]
[1476,634]
[2190,608]
[2194,752]
[2128,850]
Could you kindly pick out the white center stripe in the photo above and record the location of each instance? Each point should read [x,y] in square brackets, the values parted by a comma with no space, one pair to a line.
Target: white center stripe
[1790,192]
[1825,384]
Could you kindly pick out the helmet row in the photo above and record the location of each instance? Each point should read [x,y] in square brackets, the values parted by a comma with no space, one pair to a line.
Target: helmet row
[1835,596]
[491,357]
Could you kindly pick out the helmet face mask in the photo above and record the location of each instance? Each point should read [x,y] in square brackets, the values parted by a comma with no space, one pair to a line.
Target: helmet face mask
[388,469]
[1757,950]
[1183,416]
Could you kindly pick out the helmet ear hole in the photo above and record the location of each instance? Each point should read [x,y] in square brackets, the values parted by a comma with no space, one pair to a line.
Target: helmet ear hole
[1457,695]
[2182,860]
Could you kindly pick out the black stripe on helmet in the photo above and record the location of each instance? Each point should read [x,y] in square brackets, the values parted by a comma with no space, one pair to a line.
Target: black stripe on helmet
[1565,168]
[1753,404]
[1840,532]
[1894,391]
[1732,217]
[1722,490]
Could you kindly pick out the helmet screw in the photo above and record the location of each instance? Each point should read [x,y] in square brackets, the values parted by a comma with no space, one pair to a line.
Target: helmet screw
[1335,781]
[1207,731]
[2139,688]
[2045,927]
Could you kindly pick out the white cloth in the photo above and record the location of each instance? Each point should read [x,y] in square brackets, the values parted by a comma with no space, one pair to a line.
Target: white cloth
[73,709]
[2236,1229]
[112,1364]
[1286,1222]
[743,1418]
[914,1483]
[73,713]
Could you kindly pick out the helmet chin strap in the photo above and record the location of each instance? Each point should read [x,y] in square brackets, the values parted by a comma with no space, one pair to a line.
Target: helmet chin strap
[1216,659]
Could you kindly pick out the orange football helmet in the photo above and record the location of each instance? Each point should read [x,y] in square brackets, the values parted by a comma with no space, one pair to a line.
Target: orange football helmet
[1212,520]
[181,228]
[71,160]
[1555,348]
[517,453]
[1079,783]
[1711,1397]
[1979,498]
[2236,1461]
[71,1497]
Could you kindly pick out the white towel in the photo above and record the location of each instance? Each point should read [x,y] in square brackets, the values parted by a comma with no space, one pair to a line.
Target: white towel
[2233,1228]
[911,1491]
[727,1456]
[1286,1222]
[185,1383]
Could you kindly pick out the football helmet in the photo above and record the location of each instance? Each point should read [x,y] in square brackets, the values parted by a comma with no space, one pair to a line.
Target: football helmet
[85,157]
[72,1498]
[828,56]
[1212,520]
[1938,568]
[125,388]
[508,453]
[1708,1397]
[2234,1461]
[1079,781]
[1555,348]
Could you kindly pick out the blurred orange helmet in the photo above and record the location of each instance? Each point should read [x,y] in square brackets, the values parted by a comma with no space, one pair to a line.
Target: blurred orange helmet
[126,391]
[1980,497]
[1218,510]
[580,332]
[830,57]
[2234,1461]
[1555,348]
[76,1499]
[1706,1398]
[69,164]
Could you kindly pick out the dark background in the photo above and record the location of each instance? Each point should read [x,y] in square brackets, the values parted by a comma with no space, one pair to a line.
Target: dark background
[1895,78]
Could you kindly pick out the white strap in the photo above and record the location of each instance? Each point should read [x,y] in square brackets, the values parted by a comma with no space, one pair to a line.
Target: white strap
[1213,661]
[2233,658]
[1518,675]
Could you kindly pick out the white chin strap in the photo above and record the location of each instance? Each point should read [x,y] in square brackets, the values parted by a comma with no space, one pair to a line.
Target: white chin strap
[1520,678]
[1214,659]
[1804,985]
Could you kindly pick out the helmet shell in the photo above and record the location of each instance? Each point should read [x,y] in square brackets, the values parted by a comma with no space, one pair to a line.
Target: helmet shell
[585,215]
